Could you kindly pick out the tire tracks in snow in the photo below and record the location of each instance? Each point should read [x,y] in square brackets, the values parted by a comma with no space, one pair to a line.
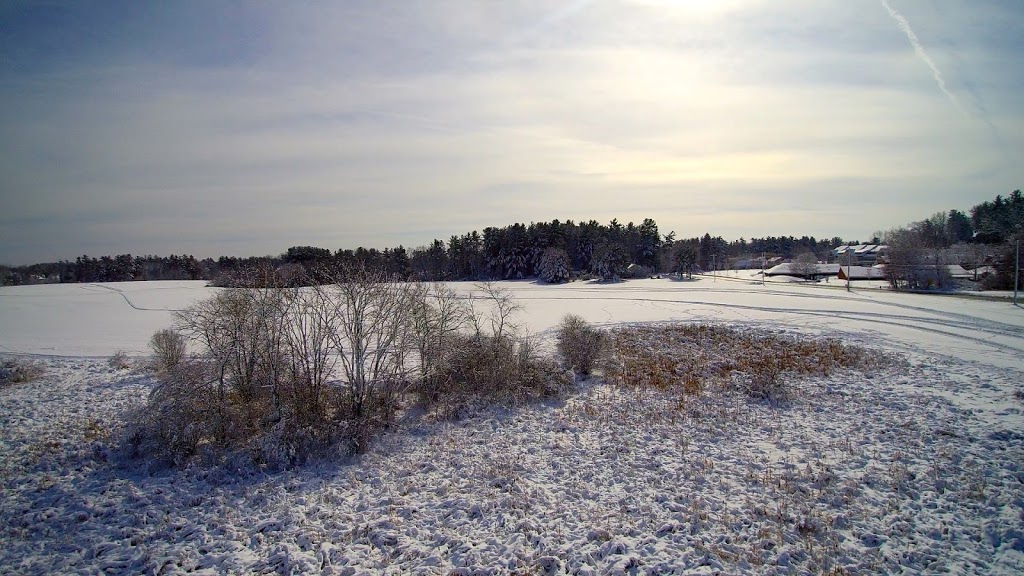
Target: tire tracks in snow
[940,326]
[121,293]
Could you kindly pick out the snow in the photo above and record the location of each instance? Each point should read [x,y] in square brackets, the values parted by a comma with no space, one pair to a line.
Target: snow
[917,467]
[90,319]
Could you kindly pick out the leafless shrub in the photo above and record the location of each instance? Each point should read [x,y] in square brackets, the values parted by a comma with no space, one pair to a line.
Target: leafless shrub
[181,411]
[489,363]
[492,311]
[231,330]
[374,340]
[282,372]
[438,317]
[17,370]
[168,347]
[580,344]
[484,369]
[539,376]
[309,327]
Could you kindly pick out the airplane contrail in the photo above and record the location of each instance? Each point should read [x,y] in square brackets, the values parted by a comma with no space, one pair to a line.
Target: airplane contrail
[919,49]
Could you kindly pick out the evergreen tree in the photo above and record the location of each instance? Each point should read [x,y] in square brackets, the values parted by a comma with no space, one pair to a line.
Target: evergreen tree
[610,261]
[555,266]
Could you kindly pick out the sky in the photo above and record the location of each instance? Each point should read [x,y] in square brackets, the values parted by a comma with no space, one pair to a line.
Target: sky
[213,127]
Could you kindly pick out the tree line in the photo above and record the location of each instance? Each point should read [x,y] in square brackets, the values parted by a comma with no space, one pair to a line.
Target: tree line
[984,238]
[557,251]
[554,251]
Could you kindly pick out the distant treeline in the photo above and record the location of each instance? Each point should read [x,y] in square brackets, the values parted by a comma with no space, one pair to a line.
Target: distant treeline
[551,250]
[511,252]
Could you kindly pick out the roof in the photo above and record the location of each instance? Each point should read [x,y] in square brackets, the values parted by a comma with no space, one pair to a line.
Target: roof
[861,249]
[958,271]
[862,272]
[788,269]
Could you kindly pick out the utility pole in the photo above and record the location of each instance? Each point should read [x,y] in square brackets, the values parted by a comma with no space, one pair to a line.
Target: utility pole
[762,268]
[849,256]
[1016,271]
[714,276]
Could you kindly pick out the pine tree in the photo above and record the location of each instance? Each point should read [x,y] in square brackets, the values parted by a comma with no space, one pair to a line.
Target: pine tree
[610,261]
[555,266]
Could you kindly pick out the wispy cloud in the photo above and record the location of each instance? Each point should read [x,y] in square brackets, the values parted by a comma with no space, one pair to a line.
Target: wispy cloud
[904,25]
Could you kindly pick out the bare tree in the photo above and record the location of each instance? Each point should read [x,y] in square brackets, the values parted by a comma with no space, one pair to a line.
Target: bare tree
[903,258]
[501,307]
[805,265]
[312,321]
[373,342]
[439,315]
[969,255]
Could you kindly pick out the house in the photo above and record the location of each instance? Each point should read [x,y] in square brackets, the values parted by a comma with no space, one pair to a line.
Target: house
[639,271]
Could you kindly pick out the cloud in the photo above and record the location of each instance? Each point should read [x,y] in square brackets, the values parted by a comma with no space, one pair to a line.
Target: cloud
[365,124]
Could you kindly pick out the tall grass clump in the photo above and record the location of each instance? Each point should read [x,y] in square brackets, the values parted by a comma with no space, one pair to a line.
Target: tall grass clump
[691,357]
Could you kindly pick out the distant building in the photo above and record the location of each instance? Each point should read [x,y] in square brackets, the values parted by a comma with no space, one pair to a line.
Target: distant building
[860,254]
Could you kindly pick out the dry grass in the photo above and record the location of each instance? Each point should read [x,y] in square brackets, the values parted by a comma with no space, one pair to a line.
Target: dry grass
[17,370]
[119,360]
[693,356]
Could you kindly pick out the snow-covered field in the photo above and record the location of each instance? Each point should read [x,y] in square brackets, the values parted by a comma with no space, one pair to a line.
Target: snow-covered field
[917,467]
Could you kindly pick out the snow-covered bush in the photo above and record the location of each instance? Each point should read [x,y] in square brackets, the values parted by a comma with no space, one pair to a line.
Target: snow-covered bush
[638,271]
[17,370]
[168,347]
[555,266]
[580,344]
